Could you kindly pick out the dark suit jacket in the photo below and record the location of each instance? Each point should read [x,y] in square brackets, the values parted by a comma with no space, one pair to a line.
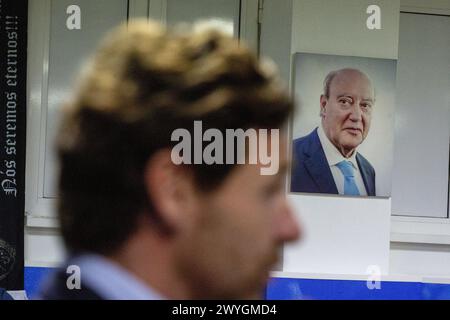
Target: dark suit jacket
[311,172]
[4,295]
[56,289]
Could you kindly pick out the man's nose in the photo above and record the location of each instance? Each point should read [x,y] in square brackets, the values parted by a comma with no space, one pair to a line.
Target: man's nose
[288,227]
[356,113]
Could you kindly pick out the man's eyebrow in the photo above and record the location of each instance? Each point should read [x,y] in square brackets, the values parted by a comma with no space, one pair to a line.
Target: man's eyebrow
[347,95]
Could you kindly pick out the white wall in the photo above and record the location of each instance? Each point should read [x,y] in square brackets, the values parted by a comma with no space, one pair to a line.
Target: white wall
[420,259]
[339,28]
[43,247]
[308,35]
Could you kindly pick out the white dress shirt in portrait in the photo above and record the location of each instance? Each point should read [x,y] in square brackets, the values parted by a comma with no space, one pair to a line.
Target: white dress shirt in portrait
[334,157]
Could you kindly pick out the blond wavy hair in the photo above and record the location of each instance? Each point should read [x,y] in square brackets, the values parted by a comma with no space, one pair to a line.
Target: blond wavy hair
[144,82]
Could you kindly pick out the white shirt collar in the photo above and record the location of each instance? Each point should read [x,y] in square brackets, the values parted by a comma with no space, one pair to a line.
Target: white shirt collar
[111,281]
[332,154]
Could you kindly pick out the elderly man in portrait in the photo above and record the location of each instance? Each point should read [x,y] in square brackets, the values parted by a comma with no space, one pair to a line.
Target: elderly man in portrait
[327,160]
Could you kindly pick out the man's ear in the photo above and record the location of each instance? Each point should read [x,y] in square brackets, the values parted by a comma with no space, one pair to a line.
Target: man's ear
[170,189]
[323,105]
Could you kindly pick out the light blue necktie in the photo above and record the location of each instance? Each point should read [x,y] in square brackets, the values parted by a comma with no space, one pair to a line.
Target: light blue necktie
[347,170]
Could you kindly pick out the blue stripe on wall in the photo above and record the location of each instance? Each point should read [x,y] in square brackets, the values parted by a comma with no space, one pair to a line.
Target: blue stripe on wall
[317,289]
[34,277]
[321,289]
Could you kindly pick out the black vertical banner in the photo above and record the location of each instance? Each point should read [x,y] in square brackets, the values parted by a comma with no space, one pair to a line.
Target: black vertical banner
[13,63]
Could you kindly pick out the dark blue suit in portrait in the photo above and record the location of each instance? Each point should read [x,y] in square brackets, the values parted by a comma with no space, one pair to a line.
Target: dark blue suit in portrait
[4,295]
[311,172]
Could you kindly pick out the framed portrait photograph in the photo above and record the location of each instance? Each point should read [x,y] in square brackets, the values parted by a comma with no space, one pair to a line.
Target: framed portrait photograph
[343,127]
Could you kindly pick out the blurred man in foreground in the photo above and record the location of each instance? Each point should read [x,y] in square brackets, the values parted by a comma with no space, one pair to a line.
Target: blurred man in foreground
[137,224]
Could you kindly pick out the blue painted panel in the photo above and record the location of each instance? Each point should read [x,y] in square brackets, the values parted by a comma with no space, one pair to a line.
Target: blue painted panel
[34,277]
[318,289]
[310,289]
[436,291]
